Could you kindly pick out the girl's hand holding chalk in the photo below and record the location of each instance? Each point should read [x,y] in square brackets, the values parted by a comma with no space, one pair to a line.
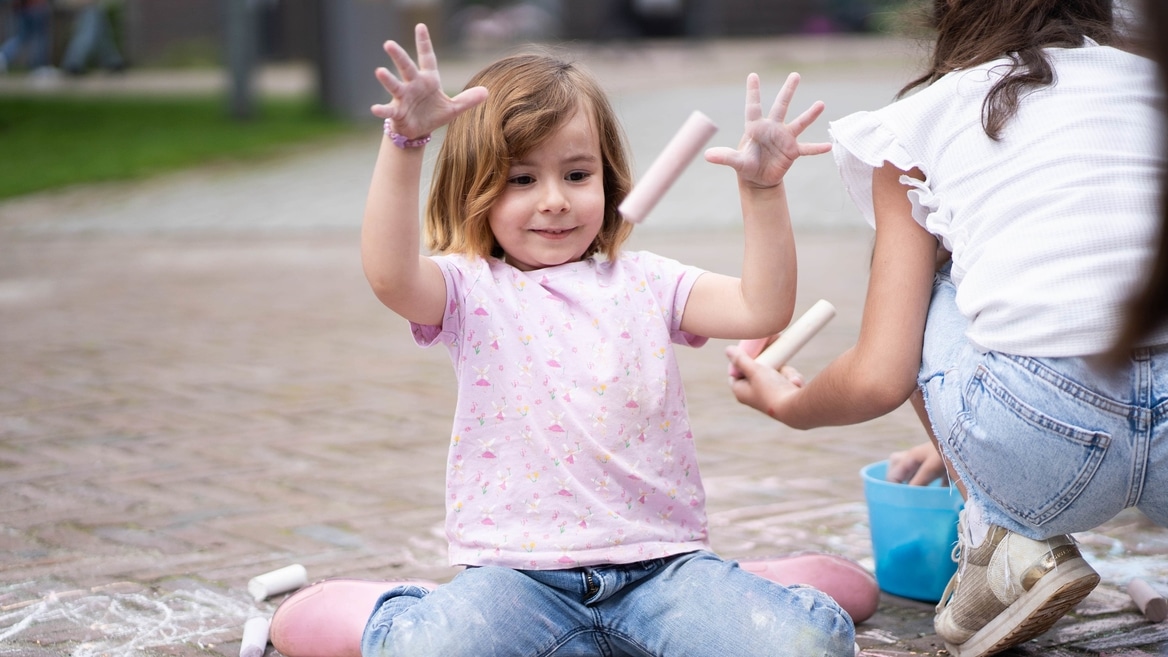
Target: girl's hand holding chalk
[755,381]
[790,341]
[668,167]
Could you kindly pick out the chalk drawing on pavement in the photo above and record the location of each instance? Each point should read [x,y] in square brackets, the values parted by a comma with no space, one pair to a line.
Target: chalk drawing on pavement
[113,622]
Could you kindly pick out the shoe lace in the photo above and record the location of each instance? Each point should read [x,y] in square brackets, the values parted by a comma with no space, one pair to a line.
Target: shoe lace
[955,555]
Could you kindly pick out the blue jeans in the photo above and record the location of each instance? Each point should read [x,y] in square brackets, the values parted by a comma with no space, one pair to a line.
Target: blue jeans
[1046,446]
[692,605]
[32,34]
[92,37]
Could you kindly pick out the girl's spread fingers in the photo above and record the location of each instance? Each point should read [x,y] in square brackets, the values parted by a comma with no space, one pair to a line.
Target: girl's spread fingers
[783,99]
[753,98]
[468,98]
[427,60]
[724,155]
[387,80]
[401,59]
[807,118]
[814,149]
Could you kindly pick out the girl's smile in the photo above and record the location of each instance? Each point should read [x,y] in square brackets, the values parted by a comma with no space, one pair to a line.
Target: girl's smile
[553,233]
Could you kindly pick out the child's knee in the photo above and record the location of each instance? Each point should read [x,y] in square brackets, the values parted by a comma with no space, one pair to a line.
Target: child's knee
[387,625]
[453,621]
[827,629]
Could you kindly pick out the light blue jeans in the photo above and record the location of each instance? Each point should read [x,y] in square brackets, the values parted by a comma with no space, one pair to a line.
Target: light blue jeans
[1046,446]
[92,37]
[692,605]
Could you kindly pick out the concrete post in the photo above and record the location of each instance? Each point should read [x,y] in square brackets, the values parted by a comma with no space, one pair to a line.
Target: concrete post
[242,52]
[352,32]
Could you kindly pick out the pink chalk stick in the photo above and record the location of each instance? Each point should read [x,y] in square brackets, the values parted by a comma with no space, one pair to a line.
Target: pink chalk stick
[798,334]
[666,169]
[1152,605]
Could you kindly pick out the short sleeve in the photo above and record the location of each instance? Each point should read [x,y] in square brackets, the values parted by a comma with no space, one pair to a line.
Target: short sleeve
[862,142]
[426,335]
[671,282]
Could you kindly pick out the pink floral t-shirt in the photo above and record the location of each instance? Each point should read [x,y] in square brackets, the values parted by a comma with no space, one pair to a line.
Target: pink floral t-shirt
[571,444]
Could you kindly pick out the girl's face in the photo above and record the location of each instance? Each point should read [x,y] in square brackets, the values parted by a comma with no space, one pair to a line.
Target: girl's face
[553,205]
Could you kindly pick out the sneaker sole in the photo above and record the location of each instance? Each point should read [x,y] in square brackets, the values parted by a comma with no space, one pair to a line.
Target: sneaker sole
[1034,613]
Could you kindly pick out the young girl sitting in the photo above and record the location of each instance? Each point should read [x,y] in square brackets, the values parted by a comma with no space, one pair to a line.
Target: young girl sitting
[573,493]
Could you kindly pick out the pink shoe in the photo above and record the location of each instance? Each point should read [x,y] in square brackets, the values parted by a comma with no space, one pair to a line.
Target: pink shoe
[327,619]
[847,582]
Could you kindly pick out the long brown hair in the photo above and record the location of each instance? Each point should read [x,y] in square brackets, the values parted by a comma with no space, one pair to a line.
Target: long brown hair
[1148,308]
[531,95]
[973,32]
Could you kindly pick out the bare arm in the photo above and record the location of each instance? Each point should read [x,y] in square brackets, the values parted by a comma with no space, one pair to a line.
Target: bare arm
[879,372]
[762,301]
[405,281]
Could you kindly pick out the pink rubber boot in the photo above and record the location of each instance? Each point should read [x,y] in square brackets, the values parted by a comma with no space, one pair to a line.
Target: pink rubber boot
[327,619]
[847,582]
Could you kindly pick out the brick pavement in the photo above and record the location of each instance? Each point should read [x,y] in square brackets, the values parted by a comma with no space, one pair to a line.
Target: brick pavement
[197,387]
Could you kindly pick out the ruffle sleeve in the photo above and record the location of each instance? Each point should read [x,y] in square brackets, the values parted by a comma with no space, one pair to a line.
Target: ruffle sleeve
[863,141]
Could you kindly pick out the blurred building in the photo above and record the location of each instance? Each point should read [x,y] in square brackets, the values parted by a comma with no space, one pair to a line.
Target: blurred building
[170,32]
[191,32]
[342,38]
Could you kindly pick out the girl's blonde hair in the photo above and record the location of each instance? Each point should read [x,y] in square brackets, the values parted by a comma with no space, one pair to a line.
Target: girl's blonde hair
[530,96]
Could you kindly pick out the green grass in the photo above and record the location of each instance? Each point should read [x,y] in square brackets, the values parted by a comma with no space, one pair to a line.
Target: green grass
[48,142]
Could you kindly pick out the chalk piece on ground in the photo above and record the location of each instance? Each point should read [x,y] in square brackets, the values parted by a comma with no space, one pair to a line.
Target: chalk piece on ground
[665,170]
[1152,605]
[255,637]
[797,335]
[288,578]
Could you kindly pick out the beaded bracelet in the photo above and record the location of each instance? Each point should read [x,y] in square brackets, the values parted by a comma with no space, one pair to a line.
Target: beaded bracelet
[401,141]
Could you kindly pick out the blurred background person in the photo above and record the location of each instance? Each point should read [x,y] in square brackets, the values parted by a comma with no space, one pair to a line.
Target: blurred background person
[92,39]
[30,39]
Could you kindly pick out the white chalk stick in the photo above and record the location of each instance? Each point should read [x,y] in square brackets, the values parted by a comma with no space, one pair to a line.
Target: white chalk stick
[666,169]
[288,578]
[1152,605]
[797,335]
[255,637]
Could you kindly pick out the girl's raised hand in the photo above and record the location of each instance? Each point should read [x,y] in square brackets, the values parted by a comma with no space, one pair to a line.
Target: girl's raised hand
[769,146]
[419,106]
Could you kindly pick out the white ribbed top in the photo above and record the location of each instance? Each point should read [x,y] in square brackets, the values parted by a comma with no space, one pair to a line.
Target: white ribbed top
[1052,226]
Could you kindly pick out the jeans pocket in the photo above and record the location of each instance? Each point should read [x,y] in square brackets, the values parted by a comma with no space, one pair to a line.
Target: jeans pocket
[1022,441]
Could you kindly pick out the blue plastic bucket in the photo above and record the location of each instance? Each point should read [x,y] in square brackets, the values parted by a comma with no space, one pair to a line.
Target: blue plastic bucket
[914,529]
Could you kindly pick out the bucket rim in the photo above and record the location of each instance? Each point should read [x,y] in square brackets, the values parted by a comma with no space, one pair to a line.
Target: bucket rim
[878,490]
